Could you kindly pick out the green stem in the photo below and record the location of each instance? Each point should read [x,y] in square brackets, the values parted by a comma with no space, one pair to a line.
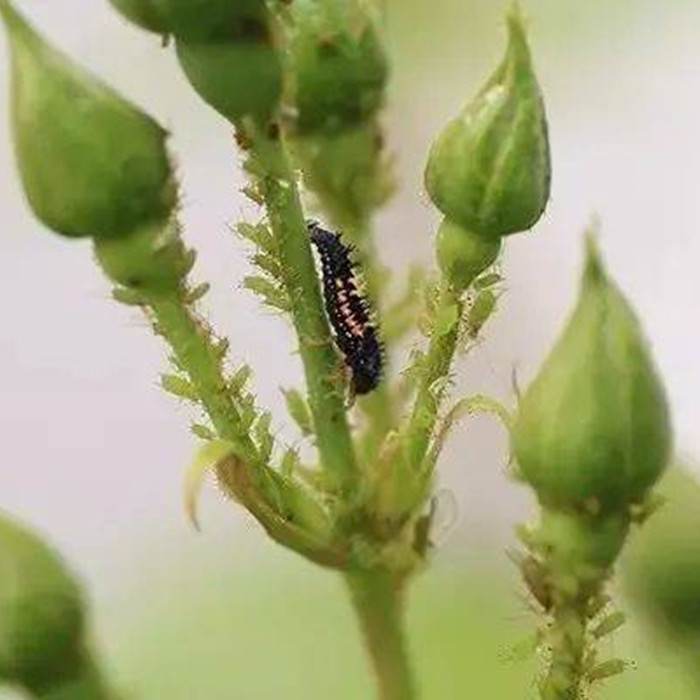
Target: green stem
[574,554]
[191,342]
[86,684]
[320,360]
[567,640]
[438,361]
[378,601]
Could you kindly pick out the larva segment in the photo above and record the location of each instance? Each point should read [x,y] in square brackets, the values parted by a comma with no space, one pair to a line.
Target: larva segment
[348,312]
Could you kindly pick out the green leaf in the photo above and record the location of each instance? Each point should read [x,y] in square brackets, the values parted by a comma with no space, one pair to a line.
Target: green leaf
[205,460]
[240,379]
[260,235]
[272,294]
[269,264]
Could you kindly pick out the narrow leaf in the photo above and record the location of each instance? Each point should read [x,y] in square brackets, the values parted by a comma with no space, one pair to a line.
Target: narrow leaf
[205,460]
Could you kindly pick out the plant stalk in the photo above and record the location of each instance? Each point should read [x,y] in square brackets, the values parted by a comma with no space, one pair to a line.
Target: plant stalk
[438,361]
[567,640]
[191,342]
[322,368]
[378,601]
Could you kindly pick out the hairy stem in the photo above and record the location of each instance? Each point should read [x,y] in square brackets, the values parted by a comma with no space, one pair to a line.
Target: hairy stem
[572,557]
[378,601]
[438,361]
[321,364]
[567,639]
[191,342]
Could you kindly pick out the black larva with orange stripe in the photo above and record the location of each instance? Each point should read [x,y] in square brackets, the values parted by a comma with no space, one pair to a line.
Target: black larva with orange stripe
[348,312]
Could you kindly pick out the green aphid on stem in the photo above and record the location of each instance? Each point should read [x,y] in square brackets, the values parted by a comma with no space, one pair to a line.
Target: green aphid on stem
[299,411]
[609,624]
[480,311]
[607,669]
[179,386]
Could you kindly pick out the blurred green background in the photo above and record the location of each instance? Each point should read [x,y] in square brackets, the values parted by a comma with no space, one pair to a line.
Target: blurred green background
[93,454]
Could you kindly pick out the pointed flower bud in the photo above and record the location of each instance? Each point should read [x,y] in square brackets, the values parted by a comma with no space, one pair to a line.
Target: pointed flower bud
[593,428]
[339,65]
[237,78]
[152,259]
[41,612]
[463,255]
[91,163]
[147,14]
[489,170]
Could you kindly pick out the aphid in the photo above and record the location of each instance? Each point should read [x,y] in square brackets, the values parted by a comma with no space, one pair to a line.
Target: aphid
[348,312]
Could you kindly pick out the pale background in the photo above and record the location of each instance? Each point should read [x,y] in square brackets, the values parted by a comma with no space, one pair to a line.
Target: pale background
[92,452]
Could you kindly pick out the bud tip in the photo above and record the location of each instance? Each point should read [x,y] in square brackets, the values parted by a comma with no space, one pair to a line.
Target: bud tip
[594,271]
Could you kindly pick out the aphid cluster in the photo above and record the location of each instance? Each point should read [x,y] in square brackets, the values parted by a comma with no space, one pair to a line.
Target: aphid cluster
[348,312]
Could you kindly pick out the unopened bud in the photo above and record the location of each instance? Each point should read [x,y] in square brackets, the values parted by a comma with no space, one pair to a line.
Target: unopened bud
[91,163]
[339,65]
[237,78]
[41,612]
[490,170]
[593,428]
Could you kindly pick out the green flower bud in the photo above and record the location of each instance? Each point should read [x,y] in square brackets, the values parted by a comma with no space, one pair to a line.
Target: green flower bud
[463,255]
[147,14]
[152,258]
[238,79]
[215,20]
[338,64]
[593,428]
[663,565]
[41,612]
[348,171]
[490,170]
[90,162]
